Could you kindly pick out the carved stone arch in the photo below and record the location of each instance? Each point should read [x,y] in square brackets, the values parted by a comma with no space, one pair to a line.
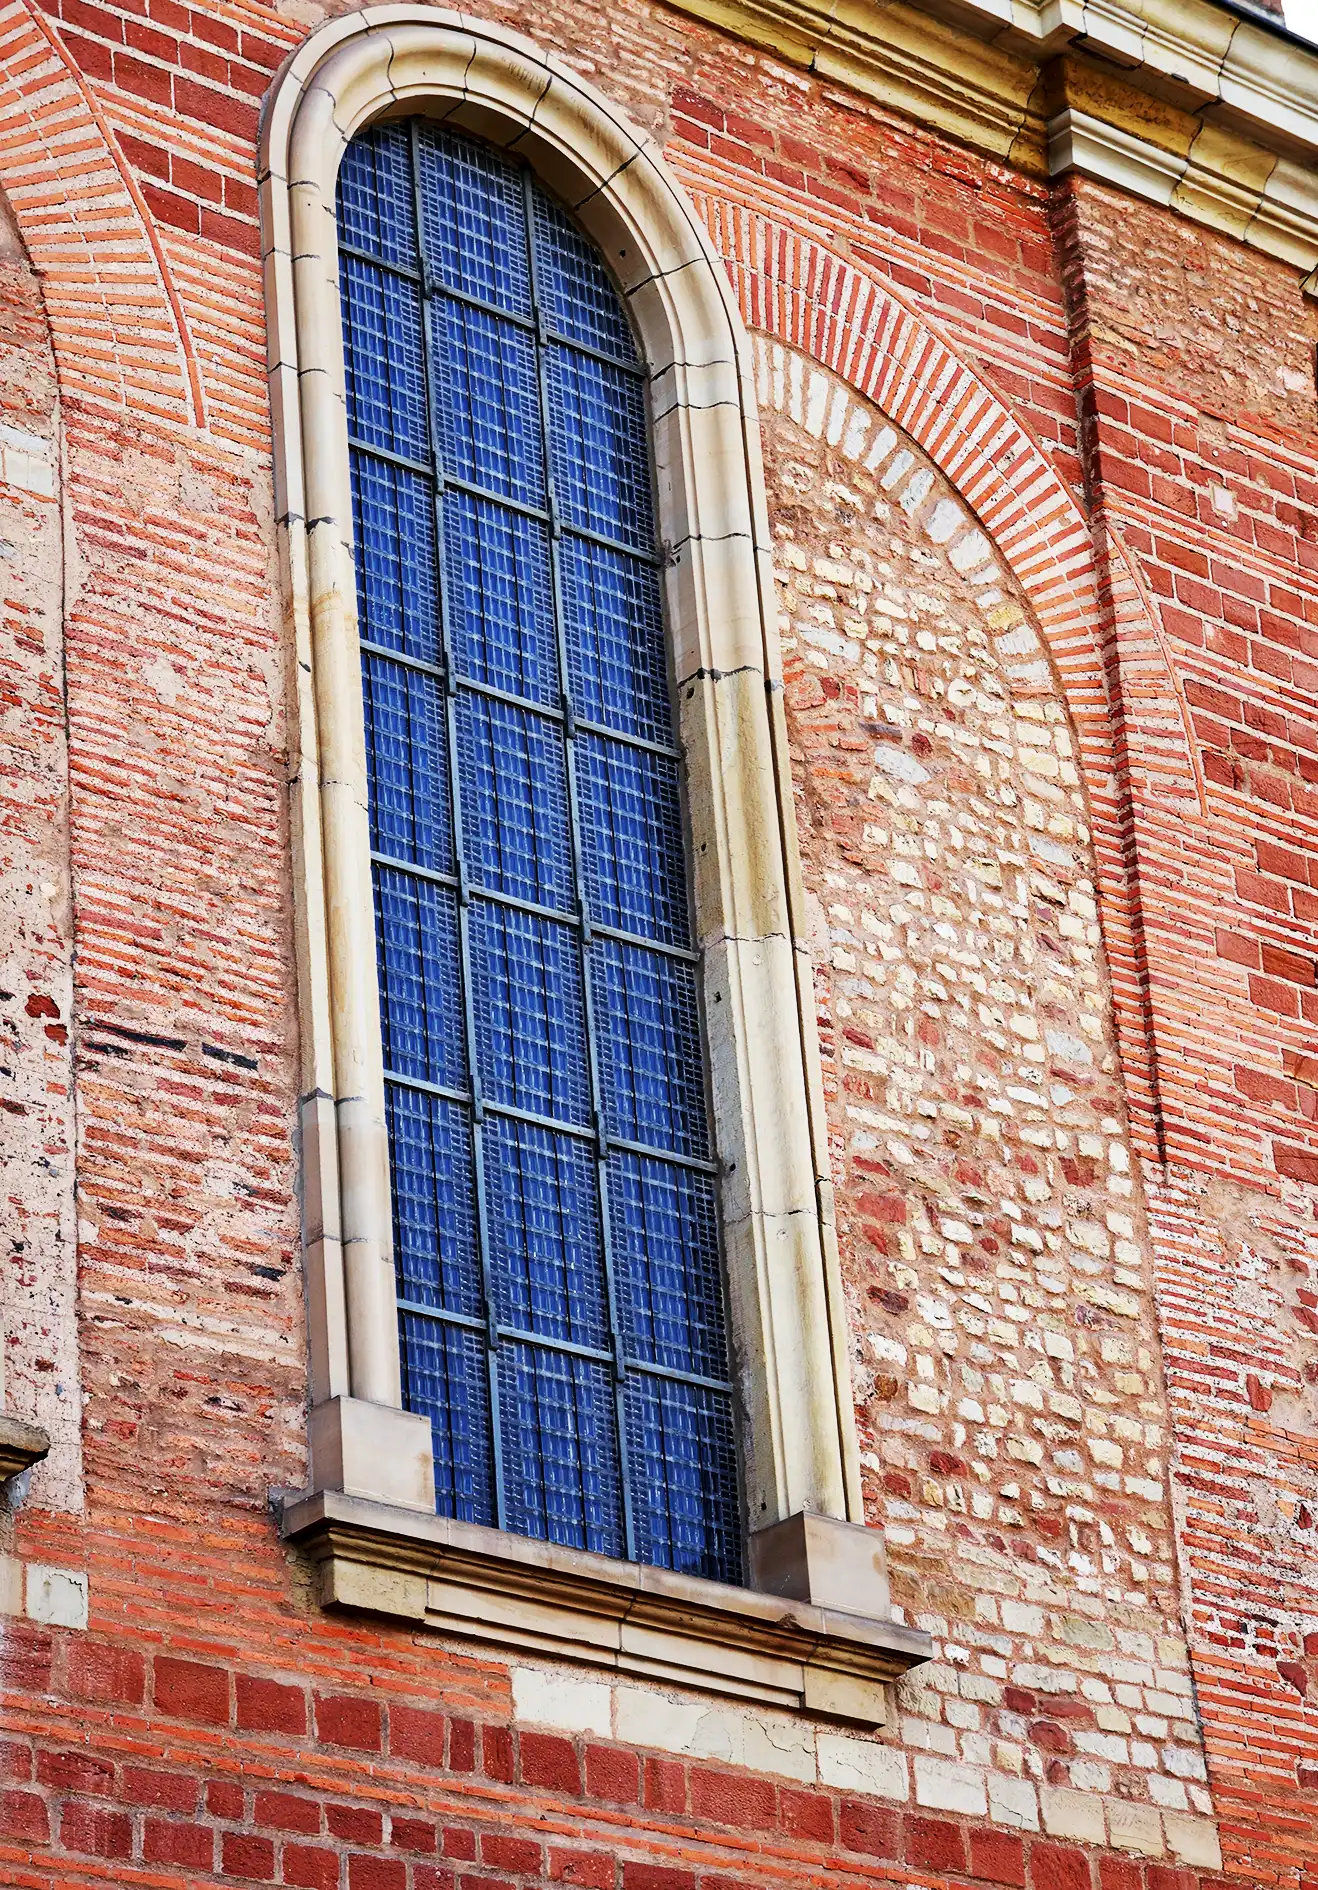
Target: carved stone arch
[788,1334]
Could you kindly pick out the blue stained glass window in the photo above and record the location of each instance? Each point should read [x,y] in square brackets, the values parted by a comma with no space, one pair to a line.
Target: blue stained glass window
[556,1239]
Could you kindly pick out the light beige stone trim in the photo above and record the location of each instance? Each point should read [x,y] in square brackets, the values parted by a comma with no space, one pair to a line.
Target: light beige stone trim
[789,1333]
[481,1585]
[1201,111]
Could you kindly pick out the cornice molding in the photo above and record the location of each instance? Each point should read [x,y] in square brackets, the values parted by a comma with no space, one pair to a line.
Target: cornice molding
[1177,101]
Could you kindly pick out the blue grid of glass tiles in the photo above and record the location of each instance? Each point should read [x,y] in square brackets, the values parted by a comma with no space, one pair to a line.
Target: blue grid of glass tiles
[561,1308]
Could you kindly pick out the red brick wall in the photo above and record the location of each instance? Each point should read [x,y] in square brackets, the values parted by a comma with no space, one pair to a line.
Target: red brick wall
[192,1734]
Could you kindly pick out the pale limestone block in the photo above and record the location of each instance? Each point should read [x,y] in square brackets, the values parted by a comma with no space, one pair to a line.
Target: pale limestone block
[1072,1814]
[1013,1802]
[863,1765]
[562,1700]
[11,1585]
[1135,1828]
[947,1785]
[57,1596]
[381,1590]
[785,1747]
[1193,1841]
[643,1718]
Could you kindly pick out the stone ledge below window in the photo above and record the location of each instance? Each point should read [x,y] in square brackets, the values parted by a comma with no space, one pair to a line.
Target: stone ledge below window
[21,1445]
[511,1592]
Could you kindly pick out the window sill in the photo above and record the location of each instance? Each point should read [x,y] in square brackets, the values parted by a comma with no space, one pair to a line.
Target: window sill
[21,1445]
[508,1591]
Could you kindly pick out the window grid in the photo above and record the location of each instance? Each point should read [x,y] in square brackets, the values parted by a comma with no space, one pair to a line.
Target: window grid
[613,1505]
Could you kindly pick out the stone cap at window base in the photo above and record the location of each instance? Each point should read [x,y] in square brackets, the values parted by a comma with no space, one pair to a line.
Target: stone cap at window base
[782,1649]
[21,1445]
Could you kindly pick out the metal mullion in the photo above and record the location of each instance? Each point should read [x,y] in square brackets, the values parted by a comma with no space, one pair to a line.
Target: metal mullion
[392,458]
[637,369]
[653,558]
[600,729]
[578,868]
[605,733]
[469,1322]
[455,799]
[696,1379]
[379,262]
[421,664]
[425,1087]
[700,1164]
[519,1335]
[428,873]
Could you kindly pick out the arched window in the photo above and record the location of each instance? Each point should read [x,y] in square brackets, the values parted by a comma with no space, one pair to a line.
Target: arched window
[556,1226]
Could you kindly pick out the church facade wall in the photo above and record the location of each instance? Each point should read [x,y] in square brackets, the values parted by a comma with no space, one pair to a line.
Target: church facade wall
[1041,461]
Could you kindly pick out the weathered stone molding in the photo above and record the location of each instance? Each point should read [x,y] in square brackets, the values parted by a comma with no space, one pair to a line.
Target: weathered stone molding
[1192,107]
[483,1585]
[789,1334]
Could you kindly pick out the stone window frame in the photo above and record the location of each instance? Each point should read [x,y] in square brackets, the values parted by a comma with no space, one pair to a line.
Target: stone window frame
[368,1517]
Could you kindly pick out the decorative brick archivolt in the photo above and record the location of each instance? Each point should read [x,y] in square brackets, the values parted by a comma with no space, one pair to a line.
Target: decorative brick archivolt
[1101,631]
[781,1254]
[116,316]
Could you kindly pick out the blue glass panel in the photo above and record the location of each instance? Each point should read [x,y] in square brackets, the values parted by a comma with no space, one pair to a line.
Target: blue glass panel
[487,394]
[666,1263]
[446,1378]
[631,838]
[500,598]
[545,1243]
[514,801]
[560,1448]
[530,1013]
[577,294]
[615,639]
[650,1056]
[416,930]
[597,439]
[683,1463]
[375,196]
[393,528]
[474,220]
[407,764]
[435,1256]
[383,360]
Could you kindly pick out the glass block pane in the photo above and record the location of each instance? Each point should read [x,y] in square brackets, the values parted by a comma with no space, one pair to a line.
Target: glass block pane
[597,435]
[546,1251]
[530,1013]
[651,1066]
[375,196]
[666,1264]
[473,220]
[515,830]
[682,1463]
[488,402]
[631,838]
[577,294]
[416,930]
[500,598]
[407,764]
[383,360]
[393,528]
[615,639]
[430,1156]
[559,1447]
[446,1378]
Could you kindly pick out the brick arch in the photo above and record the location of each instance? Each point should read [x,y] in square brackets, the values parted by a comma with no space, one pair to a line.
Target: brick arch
[116,316]
[1100,628]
